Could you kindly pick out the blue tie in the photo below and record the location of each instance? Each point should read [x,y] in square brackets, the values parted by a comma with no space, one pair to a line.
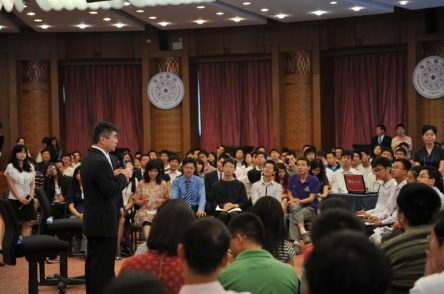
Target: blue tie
[188,193]
[379,140]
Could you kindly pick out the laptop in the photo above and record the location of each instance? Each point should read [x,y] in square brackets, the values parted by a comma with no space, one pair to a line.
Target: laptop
[355,184]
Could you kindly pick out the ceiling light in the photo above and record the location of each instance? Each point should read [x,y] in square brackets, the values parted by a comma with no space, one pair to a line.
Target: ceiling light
[357,8]
[140,11]
[403,2]
[82,26]
[37,20]
[44,27]
[107,19]
[264,9]
[200,21]
[236,19]
[220,13]
[126,3]
[164,24]
[152,17]
[200,7]
[280,16]
[31,13]
[246,3]
[93,12]
[119,25]
[319,12]
[333,2]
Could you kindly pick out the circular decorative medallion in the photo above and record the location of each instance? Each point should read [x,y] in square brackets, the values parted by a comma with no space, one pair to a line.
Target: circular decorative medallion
[165,90]
[428,77]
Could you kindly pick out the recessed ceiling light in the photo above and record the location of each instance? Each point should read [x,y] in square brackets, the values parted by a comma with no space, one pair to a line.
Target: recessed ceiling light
[25,6]
[93,12]
[236,19]
[357,8]
[152,17]
[200,21]
[164,24]
[82,26]
[246,3]
[319,12]
[107,19]
[333,2]
[126,3]
[403,2]
[200,7]
[31,13]
[220,13]
[140,11]
[1,27]
[44,27]
[37,20]
[264,9]
[119,25]
[280,16]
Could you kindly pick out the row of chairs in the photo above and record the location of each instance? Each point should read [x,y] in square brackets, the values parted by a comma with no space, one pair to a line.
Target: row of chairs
[37,248]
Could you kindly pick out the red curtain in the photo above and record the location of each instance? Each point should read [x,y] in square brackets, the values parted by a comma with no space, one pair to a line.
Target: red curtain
[236,104]
[102,93]
[369,90]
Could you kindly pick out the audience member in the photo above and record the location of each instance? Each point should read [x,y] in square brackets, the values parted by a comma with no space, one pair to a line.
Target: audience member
[430,154]
[338,181]
[417,206]
[432,178]
[254,269]
[76,206]
[290,162]
[132,282]
[401,137]
[174,162]
[207,167]
[366,166]
[267,186]
[381,138]
[318,170]
[332,162]
[161,258]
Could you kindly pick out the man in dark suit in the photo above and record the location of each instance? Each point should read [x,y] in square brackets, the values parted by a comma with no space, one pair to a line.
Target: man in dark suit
[381,138]
[101,187]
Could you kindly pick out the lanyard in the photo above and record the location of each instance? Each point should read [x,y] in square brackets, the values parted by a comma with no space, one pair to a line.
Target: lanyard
[431,160]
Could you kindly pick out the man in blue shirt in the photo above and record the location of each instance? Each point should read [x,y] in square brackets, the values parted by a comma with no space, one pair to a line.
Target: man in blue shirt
[190,187]
[303,189]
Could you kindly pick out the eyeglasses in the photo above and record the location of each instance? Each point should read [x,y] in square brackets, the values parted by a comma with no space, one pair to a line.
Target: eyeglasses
[423,177]
[377,170]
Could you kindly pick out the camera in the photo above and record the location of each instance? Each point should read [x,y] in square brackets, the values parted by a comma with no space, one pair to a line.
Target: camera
[53,167]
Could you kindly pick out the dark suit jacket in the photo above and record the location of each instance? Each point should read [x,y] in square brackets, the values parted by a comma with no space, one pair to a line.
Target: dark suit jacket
[101,189]
[210,178]
[50,188]
[386,142]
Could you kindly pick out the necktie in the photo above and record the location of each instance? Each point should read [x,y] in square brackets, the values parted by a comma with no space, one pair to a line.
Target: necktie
[220,176]
[379,139]
[188,193]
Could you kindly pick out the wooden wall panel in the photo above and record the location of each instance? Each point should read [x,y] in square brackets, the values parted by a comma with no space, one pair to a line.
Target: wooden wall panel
[246,40]
[118,45]
[168,129]
[298,111]
[5,110]
[207,42]
[387,28]
[79,46]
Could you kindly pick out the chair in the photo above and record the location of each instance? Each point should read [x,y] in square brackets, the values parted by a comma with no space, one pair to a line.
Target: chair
[34,248]
[64,229]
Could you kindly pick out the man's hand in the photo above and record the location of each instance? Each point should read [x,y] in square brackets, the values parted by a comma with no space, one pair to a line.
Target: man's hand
[200,213]
[127,172]
[228,206]
[363,214]
[373,219]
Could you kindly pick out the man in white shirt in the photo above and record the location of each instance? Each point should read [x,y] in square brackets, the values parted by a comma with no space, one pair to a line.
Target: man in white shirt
[203,252]
[266,186]
[390,213]
[76,157]
[356,160]
[382,169]
[366,166]
[174,161]
[67,168]
[432,178]
[338,181]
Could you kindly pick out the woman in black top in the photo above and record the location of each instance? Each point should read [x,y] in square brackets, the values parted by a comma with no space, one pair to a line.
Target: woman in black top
[317,169]
[430,154]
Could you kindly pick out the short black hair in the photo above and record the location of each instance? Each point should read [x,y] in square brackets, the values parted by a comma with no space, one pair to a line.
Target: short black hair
[254,175]
[230,160]
[401,149]
[438,228]
[271,162]
[405,163]
[426,128]
[168,227]
[101,129]
[334,220]
[66,155]
[382,127]
[309,150]
[388,149]
[435,174]
[357,152]
[366,151]
[321,153]
[304,159]
[174,156]
[383,161]
[419,203]
[261,153]
[247,224]
[205,244]
[400,125]
[189,160]
[291,152]
[223,156]
[204,152]
[347,153]
[346,262]
[274,149]
[333,203]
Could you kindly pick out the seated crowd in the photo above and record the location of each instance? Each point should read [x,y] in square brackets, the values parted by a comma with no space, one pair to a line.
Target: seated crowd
[233,222]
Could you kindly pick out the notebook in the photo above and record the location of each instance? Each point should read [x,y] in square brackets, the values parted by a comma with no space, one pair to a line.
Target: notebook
[355,184]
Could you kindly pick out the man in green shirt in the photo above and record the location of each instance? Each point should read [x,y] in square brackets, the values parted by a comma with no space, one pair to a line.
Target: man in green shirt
[254,269]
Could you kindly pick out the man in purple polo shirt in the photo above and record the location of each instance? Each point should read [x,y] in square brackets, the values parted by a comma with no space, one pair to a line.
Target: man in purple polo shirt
[303,203]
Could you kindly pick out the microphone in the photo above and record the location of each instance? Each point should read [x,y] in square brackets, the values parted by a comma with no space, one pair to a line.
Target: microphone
[122,160]
[21,206]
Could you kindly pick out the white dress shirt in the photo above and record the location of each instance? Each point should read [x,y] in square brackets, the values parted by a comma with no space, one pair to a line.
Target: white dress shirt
[390,213]
[338,181]
[213,288]
[385,191]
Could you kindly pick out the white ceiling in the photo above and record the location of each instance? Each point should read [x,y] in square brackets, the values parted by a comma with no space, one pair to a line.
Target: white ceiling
[132,18]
